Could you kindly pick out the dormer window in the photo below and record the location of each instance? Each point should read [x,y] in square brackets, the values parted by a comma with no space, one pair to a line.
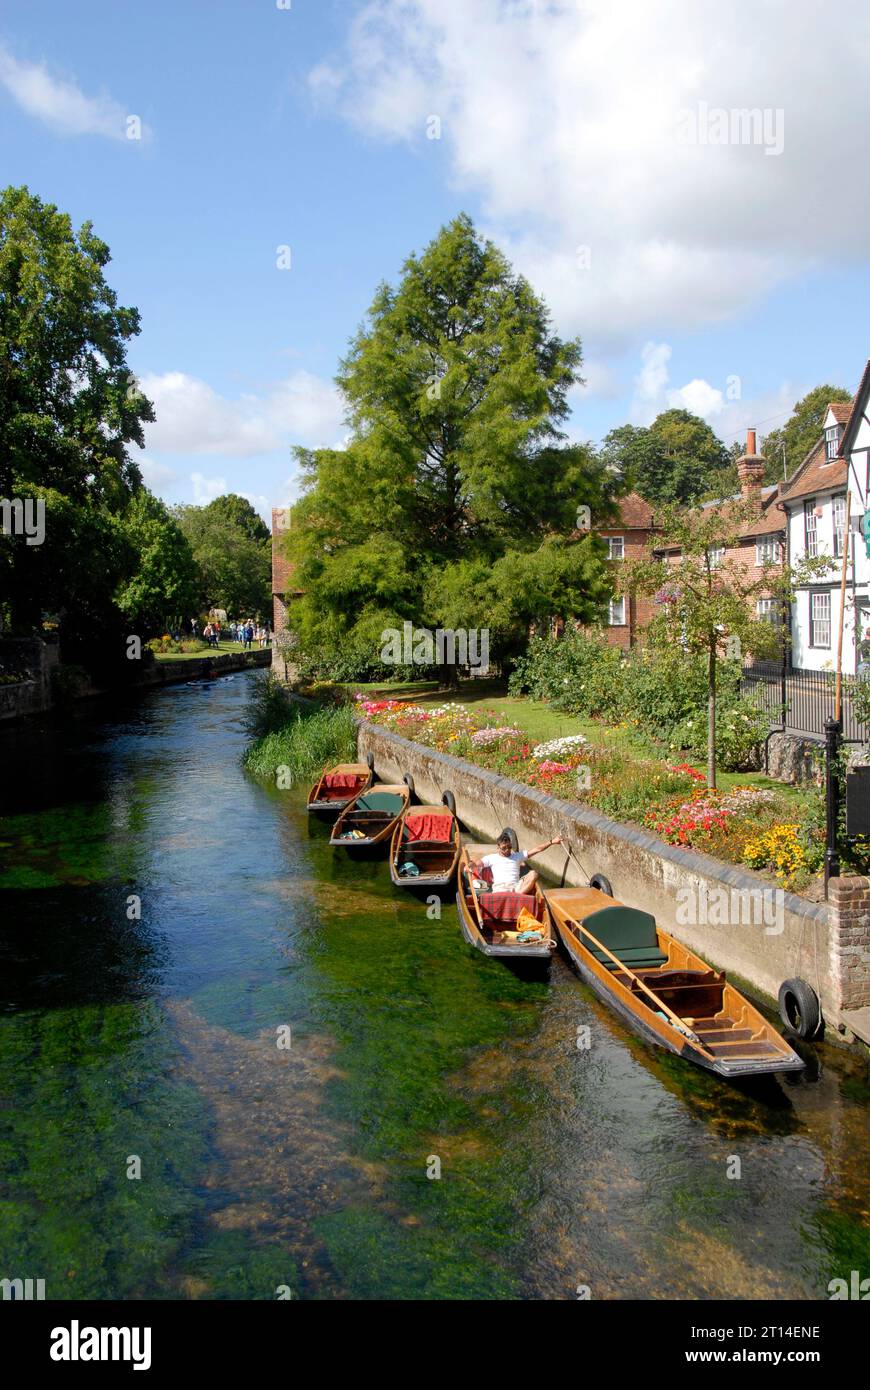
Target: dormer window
[832,442]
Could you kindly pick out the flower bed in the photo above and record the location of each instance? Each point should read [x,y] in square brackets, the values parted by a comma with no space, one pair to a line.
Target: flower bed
[749,825]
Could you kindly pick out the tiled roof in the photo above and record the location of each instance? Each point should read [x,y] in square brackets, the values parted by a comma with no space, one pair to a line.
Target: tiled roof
[841,410]
[815,475]
[634,513]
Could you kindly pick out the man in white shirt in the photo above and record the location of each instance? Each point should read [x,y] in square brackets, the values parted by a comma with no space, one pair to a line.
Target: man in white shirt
[506,865]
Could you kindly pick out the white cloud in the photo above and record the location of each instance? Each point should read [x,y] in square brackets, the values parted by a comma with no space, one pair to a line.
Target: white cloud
[699,397]
[650,380]
[60,104]
[193,418]
[156,476]
[564,116]
[600,381]
[207,489]
[729,416]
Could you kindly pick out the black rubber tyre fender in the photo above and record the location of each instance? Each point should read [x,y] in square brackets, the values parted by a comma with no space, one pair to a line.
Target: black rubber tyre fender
[370,761]
[409,782]
[512,836]
[449,800]
[799,1008]
[602,883]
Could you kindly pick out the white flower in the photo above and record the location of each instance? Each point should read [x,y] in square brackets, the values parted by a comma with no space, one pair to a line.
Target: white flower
[571,743]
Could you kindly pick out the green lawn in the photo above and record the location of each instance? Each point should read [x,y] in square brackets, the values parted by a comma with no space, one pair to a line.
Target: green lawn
[542,723]
[206,651]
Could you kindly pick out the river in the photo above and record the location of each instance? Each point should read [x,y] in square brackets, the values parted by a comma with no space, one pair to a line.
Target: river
[169,926]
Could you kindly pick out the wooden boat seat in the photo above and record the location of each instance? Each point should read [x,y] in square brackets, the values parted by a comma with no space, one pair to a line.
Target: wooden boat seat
[432,828]
[629,933]
[338,793]
[385,802]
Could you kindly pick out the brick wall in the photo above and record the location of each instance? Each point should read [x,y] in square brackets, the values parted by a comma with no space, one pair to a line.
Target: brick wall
[638,611]
[850,940]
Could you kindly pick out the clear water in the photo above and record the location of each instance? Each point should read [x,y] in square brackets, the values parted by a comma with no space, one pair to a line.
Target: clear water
[263,1167]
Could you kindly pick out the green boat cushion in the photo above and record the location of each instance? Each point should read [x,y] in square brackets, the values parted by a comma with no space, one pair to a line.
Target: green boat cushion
[390,802]
[629,933]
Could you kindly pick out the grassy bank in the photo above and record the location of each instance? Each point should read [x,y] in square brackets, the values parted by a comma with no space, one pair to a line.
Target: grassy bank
[298,739]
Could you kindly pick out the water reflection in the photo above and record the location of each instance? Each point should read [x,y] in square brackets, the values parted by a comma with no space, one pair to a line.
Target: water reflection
[311,1166]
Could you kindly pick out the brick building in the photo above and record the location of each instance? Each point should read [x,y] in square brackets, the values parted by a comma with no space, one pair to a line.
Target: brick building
[762,539]
[628,539]
[283,590]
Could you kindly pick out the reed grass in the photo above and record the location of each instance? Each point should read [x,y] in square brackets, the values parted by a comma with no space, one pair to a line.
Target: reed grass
[308,742]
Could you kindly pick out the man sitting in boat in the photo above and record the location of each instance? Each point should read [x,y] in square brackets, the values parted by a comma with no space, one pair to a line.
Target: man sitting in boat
[505,866]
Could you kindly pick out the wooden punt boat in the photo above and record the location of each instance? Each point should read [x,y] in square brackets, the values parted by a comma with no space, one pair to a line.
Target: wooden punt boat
[338,786]
[488,920]
[428,838]
[663,990]
[372,817]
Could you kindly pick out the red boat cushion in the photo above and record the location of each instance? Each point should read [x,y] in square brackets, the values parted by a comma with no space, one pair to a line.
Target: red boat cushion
[429,827]
[506,907]
[346,781]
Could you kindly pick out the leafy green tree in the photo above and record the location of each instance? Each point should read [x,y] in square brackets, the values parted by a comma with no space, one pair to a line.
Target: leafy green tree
[447,502]
[678,458]
[69,407]
[708,601]
[164,589]
[231,547]
[801,431]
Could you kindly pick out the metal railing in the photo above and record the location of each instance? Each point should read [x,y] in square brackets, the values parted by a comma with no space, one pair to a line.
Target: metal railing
[799,701]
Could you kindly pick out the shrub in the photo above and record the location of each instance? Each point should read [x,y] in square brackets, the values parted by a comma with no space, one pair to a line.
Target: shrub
[574,673]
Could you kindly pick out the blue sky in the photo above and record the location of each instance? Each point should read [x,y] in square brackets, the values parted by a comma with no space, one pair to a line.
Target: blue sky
[713,274]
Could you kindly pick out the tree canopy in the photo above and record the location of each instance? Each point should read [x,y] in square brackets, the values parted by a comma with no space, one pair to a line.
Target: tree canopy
[801,431]
[163,590]
[455,499]
[676,459]
[231,546]
[69,408]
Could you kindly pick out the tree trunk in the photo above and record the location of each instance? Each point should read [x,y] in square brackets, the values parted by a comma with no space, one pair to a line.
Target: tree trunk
[711,715]
[449,675]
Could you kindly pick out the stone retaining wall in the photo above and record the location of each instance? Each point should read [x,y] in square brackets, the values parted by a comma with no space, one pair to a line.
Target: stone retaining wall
[794,937]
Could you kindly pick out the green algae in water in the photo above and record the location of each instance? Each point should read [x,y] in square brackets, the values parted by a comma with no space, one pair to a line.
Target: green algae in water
[77,844]
[84,1090]
[228,1265]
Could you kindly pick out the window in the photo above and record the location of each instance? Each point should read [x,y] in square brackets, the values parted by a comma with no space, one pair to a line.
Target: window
[616,547]
[768,610]
[716,556]
[832,443]
[617,612]
[767,551]
[839,503]
[820,620]
[811,530]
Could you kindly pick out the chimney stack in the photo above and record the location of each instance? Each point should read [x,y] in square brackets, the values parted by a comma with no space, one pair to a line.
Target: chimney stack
[750,468]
